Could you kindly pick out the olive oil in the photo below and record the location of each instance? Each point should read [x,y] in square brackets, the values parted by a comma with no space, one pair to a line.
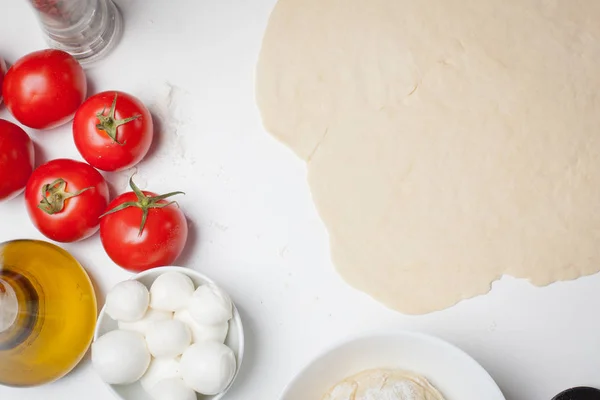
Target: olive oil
[47,312]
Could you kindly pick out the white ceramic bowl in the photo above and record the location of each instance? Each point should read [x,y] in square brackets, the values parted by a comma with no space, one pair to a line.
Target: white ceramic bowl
[235,337]
[454,373]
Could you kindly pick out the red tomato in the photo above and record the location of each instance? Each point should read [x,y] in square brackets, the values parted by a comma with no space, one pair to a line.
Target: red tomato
[65,199]
[44,89]
[113,131]
[16,159]
[2,72]
[142,230]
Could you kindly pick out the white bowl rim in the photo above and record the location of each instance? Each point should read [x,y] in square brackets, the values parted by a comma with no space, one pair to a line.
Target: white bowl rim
[186,271]
[388,333]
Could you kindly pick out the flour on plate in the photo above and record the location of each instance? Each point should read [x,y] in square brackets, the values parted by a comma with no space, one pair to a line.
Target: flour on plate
[383,385]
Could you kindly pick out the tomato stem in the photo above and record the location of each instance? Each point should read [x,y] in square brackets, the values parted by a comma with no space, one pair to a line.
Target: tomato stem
[54,196]
[144,203]
[109,124]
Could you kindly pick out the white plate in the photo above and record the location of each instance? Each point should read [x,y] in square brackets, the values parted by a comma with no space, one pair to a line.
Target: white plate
[454,373]
[235,336]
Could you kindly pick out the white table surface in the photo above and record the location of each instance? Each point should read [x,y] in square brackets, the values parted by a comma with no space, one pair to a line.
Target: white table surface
[254,228]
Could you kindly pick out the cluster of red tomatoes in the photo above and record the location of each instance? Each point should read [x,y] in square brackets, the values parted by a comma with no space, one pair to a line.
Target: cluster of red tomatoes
[68,200]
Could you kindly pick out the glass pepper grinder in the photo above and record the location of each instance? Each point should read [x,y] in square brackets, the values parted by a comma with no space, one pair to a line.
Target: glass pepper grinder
[87,29]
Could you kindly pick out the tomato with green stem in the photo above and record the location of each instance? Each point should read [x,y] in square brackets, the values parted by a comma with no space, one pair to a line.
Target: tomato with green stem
[65,199]
[113,131]
[143,230]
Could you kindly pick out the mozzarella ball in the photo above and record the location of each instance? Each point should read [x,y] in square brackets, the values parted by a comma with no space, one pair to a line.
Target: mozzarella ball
[203,333]
[120,357]
[172,389]
[127,301]
[146,322]
[208,367]
[209,305]
[171,291]
[159,369]
[168,338]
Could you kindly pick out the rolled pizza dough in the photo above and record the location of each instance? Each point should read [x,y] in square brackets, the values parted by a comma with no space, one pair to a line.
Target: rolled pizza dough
[448,142]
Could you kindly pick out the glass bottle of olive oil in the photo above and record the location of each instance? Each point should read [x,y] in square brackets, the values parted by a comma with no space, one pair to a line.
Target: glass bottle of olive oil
[47,312]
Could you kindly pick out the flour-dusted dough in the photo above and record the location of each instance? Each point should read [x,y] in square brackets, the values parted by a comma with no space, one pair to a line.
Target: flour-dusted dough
[448,142]
[383,384]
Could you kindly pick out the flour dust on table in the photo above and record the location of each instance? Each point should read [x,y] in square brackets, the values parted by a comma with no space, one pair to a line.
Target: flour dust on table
[447,142]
